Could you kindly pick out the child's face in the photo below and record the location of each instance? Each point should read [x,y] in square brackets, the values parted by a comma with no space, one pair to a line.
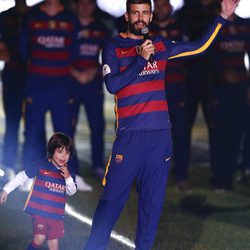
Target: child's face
[60,157]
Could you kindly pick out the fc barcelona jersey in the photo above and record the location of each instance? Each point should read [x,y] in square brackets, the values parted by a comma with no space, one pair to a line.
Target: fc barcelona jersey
[47,197]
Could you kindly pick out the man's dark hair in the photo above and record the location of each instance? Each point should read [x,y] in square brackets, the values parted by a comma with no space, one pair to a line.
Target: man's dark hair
[59,140]
[76,1]
[129,2]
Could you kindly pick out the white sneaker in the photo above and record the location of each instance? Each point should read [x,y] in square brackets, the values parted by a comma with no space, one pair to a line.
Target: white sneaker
[82,185]
[27,185]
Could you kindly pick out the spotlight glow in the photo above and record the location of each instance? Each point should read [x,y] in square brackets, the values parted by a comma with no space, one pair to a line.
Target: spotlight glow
[120,238]
[1,173]
[118,8]
[247,62]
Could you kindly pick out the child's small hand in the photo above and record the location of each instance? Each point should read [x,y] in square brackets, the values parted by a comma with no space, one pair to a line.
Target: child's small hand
[65,172]
[3,197]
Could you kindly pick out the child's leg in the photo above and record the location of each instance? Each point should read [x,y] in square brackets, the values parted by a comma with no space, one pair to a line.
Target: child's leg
[38,240]
[39,232]
[53,244]
[32,246]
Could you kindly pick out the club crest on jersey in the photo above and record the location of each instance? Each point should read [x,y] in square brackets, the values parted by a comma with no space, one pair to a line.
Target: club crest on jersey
[40,227]
[118,158]
[84,33]
[52,24]
[105,70]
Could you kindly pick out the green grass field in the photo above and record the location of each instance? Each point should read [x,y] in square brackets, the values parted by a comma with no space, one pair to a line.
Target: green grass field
[202,220]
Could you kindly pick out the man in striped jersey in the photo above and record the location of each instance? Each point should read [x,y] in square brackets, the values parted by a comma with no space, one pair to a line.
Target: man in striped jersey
[134,71]
[86,71]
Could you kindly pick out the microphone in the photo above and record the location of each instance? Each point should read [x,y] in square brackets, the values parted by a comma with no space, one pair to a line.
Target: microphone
[145,34]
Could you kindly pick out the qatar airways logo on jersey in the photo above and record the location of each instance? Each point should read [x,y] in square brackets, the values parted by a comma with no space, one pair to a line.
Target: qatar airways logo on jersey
[55,187]
[51,41]
[233,46]
[150,69]
[89,50]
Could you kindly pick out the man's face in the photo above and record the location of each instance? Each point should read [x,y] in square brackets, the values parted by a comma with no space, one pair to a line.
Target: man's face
[85,8]
[163,10]
[138,17]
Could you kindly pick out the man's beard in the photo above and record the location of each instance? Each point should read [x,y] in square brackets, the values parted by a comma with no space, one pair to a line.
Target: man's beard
[132,28]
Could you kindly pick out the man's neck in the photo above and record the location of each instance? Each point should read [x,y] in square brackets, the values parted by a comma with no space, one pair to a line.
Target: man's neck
[21,8]
[86,20]
[163,23]
[133,36]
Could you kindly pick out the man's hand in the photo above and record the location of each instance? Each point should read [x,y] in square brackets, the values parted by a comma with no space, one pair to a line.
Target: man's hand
[84,77]
[147,49]
[4,53]
[228,7]
[3,197]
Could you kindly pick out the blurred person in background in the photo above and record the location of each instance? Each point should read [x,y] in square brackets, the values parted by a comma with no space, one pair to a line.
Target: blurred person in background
[167,26]
[86,70]
[229,99]
[49,44]
[245,151]
[195,17]
[13,81]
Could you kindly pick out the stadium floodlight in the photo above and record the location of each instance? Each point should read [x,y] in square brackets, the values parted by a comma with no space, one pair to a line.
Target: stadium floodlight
[33,2]
[118,7]
[1,172]
[247,62]
[6,4]
[243,9]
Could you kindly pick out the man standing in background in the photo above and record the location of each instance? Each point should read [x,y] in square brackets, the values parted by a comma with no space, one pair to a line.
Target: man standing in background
[167,26]
[86,71]
[49,45]
[13,80]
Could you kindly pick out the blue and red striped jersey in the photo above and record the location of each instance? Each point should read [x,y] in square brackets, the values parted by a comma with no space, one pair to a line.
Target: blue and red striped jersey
[91,39]
[49,43]
[47,197]
[230,52]
[176,72]
[139,86]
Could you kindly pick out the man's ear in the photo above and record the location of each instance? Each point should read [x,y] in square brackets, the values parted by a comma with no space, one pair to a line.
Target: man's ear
[151,17]
[126,16]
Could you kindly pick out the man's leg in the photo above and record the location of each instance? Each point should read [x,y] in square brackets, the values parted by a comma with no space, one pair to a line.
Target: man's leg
[151,186]
[125,161]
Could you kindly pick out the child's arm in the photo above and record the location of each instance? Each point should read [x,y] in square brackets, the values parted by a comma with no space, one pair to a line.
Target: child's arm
[19,180]
[70,184]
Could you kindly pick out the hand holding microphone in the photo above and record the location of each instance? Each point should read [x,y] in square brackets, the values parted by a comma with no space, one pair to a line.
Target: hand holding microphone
[147,48]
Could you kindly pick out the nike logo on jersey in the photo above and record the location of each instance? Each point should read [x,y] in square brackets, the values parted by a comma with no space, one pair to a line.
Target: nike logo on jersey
[124,52]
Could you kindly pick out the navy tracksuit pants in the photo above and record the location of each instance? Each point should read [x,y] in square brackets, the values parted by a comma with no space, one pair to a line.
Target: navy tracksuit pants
[42,97]
[144,157]
[13,85]
[91,96]
[228,113]
[176,96]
